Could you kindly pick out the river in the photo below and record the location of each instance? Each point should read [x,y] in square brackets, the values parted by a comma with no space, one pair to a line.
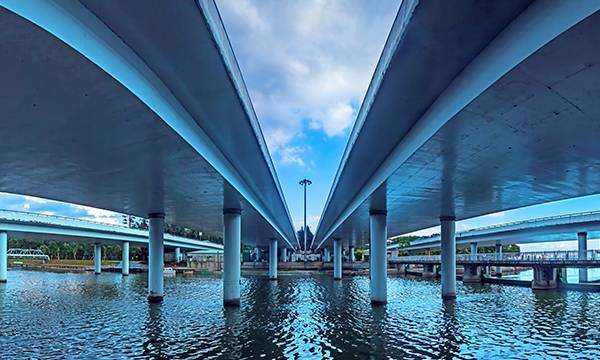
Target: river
[49,315]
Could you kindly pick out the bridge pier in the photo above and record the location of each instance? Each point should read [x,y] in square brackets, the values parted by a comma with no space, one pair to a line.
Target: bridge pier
[156,257]
[284,254]
[125,268]
[351,254]
[401,268]
[472,274]
[97,258]
[3,256]
[544,277]
[177,255]
[326,255]
[582,242]
[232,242]
[448,245]
[272,259]
[378,255]
[499,257]
[473,250]
[429,271]
[337,259]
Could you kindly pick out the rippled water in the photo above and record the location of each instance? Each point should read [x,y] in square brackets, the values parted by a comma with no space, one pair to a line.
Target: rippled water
[308,316]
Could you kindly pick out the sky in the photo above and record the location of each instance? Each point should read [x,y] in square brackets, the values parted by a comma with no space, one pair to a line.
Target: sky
[307,65]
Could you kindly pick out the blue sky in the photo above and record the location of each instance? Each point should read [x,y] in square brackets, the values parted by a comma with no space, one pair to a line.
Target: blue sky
[307,65]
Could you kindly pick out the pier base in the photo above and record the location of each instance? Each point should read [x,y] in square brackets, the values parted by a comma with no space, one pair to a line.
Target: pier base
[544,278]
[429,271]
[472,274]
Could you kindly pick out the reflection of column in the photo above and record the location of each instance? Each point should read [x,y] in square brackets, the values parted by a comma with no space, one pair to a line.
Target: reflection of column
[97,258]
[273,259]
[156,257]
[582,242]
[3,256]
[155,323]
[448,257]
[232,242]
[125,264]
[337,259]
[378,270]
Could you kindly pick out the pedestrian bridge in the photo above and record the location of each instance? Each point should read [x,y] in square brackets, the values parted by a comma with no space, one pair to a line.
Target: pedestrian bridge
[26,254]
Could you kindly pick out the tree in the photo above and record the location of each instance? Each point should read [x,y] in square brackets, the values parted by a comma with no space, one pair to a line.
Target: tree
[309,237]
[358,254]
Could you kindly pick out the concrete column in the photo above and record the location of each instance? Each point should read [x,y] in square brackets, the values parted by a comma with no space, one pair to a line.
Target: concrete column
[582,242]
[284,254]
[98,258]
[177,254]
[272,259]
[3,256]
[125,268]
[401,268]
[429,271]
[499,257]
[351,254]
[232,242]
[337,259]
[472,274]
[544,277]
[156,257]
[326,256]
[378,254]
[473,250]
[448,257]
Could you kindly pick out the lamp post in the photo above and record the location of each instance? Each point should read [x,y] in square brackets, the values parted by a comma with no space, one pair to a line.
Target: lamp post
[305,182]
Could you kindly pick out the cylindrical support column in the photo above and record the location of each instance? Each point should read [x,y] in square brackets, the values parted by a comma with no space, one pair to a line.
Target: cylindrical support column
[156,257]
[473,251]
[232,242]
[448,232]
[3,256]
[177,255]
[582,247]
[499,257]
[125,268]
[326,256]
[284,254]
[378,270]
[98,258]
[337,259]
[351,255]
[272,259]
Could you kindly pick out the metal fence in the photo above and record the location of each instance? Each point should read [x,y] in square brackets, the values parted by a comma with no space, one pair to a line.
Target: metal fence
[541,256]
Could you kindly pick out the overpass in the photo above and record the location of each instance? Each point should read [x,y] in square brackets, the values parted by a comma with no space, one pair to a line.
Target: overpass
[138,107]
[474,108]
[56,228]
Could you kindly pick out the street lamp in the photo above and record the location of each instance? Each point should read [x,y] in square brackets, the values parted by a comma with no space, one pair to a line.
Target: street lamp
[305,182]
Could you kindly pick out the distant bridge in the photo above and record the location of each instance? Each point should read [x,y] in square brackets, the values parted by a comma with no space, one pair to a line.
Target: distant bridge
[26,254]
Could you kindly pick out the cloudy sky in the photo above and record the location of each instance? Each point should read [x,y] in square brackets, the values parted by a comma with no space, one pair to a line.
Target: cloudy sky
[307,65]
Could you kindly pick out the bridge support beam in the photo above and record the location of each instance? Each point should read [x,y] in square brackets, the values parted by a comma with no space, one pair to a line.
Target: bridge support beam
[472,274]
[97,258]
[429,271]
[499,257]
[351,254]
[544,277]
[125,268]
[177,255]
[272,259]
[232,242]
[378,254]
[473,250]
[3,256]
[337,259]
[448,245]
[156,257]
[284,254]
[582,242]
[326,255]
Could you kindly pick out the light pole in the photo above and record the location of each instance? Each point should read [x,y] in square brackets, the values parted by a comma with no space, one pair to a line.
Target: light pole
[305,182]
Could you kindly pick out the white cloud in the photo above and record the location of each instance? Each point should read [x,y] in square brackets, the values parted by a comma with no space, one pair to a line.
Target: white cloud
[306,60]
[290,155]
[498,214]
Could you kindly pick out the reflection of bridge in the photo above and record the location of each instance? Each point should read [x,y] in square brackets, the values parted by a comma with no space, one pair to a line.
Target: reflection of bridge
[56,228]
[26,254]
[547,265]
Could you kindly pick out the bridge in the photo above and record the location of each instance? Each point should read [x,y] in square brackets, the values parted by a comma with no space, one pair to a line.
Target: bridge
[26,254]
[138,108]
[59,228]
[547,265]
[444,135]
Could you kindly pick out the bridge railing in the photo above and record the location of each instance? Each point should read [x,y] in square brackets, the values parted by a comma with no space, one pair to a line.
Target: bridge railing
[541,256]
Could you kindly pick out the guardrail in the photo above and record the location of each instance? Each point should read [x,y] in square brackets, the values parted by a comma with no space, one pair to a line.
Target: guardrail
[59,217]
[540,256]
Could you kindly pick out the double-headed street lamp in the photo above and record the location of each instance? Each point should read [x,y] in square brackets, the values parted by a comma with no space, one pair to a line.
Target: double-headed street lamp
[305,182]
